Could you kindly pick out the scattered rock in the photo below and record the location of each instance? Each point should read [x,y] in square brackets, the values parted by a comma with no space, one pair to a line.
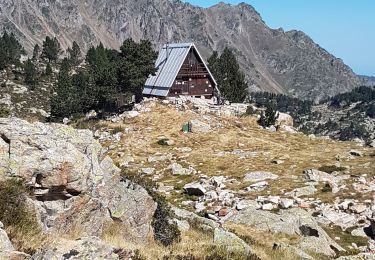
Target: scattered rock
[129,114]
[177,169]
[200,127]
[223,212]
[356,153]
[217,181]
[184,150]
[199,206]
[193,219]
[304,191]
[91,114]
[257,186]
[243,204]
[166,142]
[277,161]
[268,206]
[286,203]
[358,208]
[195,189]
[148,171]
[259,176]
[359,232]
[211,196]
[272,128]
[126,160]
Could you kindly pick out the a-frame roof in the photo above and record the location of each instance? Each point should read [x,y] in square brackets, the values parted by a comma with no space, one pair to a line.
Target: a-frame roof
[168,66]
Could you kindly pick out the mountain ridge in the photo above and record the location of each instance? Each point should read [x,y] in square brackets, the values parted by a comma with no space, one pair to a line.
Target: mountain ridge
[273,60]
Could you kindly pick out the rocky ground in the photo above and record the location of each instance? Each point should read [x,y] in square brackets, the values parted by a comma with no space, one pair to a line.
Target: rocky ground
[232,172]
[326,120]
[18,99]
[233,186]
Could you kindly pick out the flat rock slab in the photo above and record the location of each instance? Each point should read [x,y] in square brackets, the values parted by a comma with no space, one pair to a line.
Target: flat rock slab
[260,176]
[293,221]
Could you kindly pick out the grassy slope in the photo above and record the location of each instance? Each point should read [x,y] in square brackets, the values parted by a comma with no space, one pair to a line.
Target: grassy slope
[297,150]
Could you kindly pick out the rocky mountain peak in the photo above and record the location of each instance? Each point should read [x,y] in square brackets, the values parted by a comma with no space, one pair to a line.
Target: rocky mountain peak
[273,60]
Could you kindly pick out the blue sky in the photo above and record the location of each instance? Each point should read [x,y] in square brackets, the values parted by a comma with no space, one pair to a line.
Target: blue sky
[346,28]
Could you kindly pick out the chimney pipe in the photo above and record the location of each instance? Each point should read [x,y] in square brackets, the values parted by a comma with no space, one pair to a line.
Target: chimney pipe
[167,56]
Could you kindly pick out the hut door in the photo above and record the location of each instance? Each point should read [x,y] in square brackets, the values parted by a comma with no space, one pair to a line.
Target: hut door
[185,88]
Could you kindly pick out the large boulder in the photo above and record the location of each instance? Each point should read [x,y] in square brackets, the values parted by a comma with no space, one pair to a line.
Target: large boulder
[295,221]
[5,244]
[284,119]
[230,241]
[74,184]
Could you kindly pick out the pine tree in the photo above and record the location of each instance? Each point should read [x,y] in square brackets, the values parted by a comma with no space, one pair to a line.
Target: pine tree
[30,74]
[74,54]
[48,71]
[84,87]
[11,50]
[3,55]
[231,80]
[64,101]
[269,116]
[51,49]
[36,52]
[102,70]
[136,63]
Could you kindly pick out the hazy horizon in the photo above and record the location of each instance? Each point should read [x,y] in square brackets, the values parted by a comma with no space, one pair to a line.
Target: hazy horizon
[342,27]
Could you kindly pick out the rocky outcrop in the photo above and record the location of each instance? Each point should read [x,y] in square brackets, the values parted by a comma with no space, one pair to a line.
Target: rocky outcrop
[5,244]
[294,221]
[74,185]
[273,60]
[84,248]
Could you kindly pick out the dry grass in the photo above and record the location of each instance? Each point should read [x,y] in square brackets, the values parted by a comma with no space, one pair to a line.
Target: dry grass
[198,244]
[262,242]
[194,245]
[298,151]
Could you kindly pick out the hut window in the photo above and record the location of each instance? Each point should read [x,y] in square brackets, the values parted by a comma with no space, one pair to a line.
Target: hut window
[190,79]
[205,90]
[210,86]
[207,82]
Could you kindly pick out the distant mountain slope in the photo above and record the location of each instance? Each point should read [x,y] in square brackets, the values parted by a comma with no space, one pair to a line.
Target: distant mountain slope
[273,60]
[367,80]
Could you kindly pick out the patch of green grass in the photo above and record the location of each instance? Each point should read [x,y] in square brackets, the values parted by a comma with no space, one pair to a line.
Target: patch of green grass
[20,221]
[346,239]
[4,111]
